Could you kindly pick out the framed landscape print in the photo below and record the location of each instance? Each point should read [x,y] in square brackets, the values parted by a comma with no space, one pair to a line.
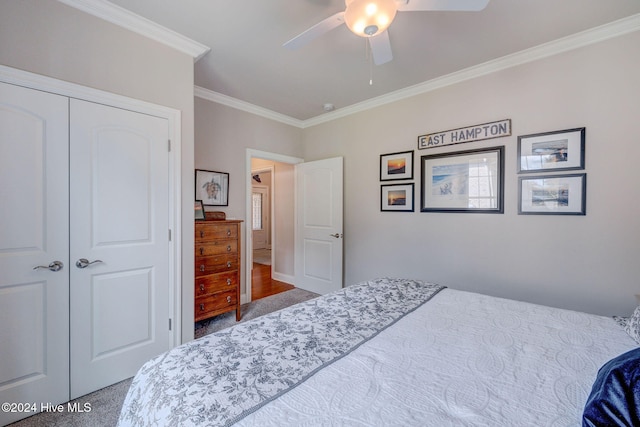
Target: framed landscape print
[553,195]
[212,187]
[396,198]
[551,151]
[396,166]
[464,181]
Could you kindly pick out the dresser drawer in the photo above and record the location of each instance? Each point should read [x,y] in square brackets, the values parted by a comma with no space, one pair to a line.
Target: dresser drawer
[212,231]
[213,283]
[215,304]
[216,247]
[215,264]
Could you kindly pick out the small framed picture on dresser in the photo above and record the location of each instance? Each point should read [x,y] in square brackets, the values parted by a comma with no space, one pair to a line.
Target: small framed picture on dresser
[198,209]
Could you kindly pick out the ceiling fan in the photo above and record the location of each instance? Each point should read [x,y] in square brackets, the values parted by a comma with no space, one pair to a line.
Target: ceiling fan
[371,18]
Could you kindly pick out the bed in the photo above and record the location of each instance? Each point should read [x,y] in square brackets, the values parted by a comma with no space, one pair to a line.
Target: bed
[391,352]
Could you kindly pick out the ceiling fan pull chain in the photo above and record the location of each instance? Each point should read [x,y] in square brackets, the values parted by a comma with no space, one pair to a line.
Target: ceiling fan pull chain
[370,57]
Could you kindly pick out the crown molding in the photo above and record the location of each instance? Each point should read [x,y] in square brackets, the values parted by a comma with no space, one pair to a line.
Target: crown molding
[136,23]
[229,101]
[575,41]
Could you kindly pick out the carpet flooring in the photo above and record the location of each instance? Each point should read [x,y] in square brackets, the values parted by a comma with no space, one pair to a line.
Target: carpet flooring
[105,404]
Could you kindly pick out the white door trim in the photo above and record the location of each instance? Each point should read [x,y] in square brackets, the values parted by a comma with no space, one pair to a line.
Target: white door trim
[72,90]
[250,154]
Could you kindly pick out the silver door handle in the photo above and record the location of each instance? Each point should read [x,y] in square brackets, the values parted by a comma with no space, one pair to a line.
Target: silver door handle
[54,266]
[84,263]
[336,235]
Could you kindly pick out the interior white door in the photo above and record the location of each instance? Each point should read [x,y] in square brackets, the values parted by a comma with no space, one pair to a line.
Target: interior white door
[319,210]
[119,216]
[34,231]
[260,219]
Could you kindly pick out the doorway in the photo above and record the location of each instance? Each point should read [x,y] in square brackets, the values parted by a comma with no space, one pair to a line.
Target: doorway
[270,228]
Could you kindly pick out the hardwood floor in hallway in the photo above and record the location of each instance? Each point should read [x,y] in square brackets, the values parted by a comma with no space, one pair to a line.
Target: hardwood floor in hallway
[262,285]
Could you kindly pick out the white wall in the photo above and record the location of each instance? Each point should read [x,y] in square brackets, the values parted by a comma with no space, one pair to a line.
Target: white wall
[49,38]
[222,136]
[587,263]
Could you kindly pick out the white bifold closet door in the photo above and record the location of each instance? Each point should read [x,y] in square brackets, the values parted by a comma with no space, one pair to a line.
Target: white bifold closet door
[84,245]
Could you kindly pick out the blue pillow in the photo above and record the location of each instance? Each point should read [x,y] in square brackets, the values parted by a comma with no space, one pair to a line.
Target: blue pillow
[615,396]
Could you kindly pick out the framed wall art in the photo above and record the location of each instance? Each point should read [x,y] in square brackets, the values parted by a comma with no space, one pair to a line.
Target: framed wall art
[553,195]
[212,187]
[396,166]
[551,151]
[397,198]
[198,209]
[464,181]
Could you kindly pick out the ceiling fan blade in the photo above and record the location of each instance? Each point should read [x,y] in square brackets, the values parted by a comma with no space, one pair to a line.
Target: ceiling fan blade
[442,5]
[381,48]
[316,31]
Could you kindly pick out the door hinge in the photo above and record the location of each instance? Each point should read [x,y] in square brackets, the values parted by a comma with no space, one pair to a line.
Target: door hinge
[169,144]
[169,324]
[169,234]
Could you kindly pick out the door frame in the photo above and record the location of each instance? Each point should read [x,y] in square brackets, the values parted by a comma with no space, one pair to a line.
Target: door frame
[257,154]
[173,116]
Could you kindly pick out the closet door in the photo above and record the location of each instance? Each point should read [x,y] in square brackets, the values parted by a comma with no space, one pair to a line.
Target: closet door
[119,216]
[34,232]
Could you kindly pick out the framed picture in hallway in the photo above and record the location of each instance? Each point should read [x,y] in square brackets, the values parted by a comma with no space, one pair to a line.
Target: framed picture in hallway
[212,187]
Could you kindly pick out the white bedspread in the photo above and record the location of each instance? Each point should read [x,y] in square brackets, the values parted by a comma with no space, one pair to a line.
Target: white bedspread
[462,359]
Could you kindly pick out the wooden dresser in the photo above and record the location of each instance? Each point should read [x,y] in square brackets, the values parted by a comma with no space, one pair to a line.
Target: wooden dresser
[217,268]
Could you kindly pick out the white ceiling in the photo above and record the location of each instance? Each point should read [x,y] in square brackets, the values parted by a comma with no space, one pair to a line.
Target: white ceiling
[248,63]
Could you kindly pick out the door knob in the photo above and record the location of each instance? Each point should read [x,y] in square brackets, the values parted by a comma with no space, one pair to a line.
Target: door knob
[84,263]
[336,235]
[54,266]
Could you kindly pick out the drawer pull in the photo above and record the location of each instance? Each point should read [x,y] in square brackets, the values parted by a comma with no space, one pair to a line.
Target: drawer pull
[201,251]
[228,232]
[201,233]
[229,282]
[228,248]
[229,300]
[202,267]
[201,307]
[202,287]
[228,264]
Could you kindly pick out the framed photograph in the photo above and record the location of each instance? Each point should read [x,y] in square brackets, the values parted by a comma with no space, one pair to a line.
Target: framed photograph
[553,195]
[463,181]
[558,150]
[212,187]
[396,166]
[396,198]
[198,208]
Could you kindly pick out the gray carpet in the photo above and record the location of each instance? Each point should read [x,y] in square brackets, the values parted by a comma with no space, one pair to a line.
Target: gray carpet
[106,403]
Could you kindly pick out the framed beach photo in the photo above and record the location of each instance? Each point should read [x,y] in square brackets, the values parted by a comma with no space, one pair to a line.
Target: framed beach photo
[553,195]
[396,198]
[551,151]
[396,166]
[198,210]
[212,187]
[464,181]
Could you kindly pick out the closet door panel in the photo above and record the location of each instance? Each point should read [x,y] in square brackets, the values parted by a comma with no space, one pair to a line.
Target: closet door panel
[34,303]
[120,226]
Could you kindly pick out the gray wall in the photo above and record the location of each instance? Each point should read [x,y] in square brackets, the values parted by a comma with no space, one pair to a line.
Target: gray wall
[588,263]
[49,38]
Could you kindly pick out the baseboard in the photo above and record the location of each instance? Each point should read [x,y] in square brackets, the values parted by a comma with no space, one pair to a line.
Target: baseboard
[283,278]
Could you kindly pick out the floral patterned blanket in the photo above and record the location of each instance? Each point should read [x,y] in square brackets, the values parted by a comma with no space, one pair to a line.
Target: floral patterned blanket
[221,378]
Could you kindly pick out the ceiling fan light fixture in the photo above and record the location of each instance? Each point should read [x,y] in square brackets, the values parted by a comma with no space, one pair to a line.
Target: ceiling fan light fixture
[367,18]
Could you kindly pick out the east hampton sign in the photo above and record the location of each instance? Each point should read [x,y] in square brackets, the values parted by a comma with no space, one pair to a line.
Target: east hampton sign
[472,133]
